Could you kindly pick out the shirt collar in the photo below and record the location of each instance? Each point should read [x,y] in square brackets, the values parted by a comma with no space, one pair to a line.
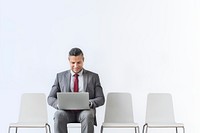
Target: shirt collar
[80,73]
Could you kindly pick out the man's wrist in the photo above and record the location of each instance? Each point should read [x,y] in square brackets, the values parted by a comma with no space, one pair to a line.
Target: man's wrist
[90,104]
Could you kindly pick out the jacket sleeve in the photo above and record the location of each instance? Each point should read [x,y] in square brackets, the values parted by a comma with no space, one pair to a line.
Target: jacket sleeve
[99,98]
[52,98]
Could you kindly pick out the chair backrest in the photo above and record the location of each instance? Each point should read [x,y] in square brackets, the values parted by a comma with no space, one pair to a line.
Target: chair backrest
[159,108]
[119,108]
[33,108]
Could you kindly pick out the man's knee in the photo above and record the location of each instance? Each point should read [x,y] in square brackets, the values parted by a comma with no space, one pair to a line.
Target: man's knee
[60,115]
[87,115]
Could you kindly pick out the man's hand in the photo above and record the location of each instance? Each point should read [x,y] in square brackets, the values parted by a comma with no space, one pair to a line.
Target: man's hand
[90,104]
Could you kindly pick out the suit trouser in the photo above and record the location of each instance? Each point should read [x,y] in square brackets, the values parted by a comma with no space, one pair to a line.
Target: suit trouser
[85,117]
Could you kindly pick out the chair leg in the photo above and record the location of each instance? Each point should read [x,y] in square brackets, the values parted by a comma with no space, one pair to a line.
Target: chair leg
[16,130]
[176,129]
[49,128]
[137,130]
[101,129]
[46,129]
[9,129]
[144,128]
[183,129]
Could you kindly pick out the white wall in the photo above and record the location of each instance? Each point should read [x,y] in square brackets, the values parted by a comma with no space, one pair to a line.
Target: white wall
[154,44]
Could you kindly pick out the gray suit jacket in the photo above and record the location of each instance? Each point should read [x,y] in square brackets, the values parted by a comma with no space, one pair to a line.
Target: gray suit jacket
[91,84]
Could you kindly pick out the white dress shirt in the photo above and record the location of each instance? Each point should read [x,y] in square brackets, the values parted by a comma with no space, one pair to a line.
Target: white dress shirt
[80,81]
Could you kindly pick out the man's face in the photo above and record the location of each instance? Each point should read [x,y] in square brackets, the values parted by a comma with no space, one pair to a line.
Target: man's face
[76,63]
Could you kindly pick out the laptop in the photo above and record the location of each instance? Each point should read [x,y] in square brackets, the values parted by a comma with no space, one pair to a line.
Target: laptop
[73,100]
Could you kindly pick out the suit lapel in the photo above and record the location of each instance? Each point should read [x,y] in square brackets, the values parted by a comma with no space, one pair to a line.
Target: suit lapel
[85,80]
[67,81]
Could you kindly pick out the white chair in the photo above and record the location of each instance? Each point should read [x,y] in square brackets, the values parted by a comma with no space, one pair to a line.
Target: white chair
[119,112]
[73,126]
[160,112]
[33,112]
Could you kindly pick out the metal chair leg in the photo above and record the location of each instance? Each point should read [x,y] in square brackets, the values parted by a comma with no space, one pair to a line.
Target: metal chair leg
[101,129]
[176,130]
[144,127]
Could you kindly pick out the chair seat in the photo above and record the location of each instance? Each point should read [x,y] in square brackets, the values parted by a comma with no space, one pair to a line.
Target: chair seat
[120,125]
[165,125]
[28,124]
[74,125]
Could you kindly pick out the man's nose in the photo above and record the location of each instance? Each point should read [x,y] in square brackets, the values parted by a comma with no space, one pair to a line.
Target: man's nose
[75,65]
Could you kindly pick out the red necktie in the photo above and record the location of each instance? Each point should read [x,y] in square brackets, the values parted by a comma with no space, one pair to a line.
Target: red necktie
[76,82]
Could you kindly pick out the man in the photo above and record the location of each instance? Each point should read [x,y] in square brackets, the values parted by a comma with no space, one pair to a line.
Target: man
[87,82]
